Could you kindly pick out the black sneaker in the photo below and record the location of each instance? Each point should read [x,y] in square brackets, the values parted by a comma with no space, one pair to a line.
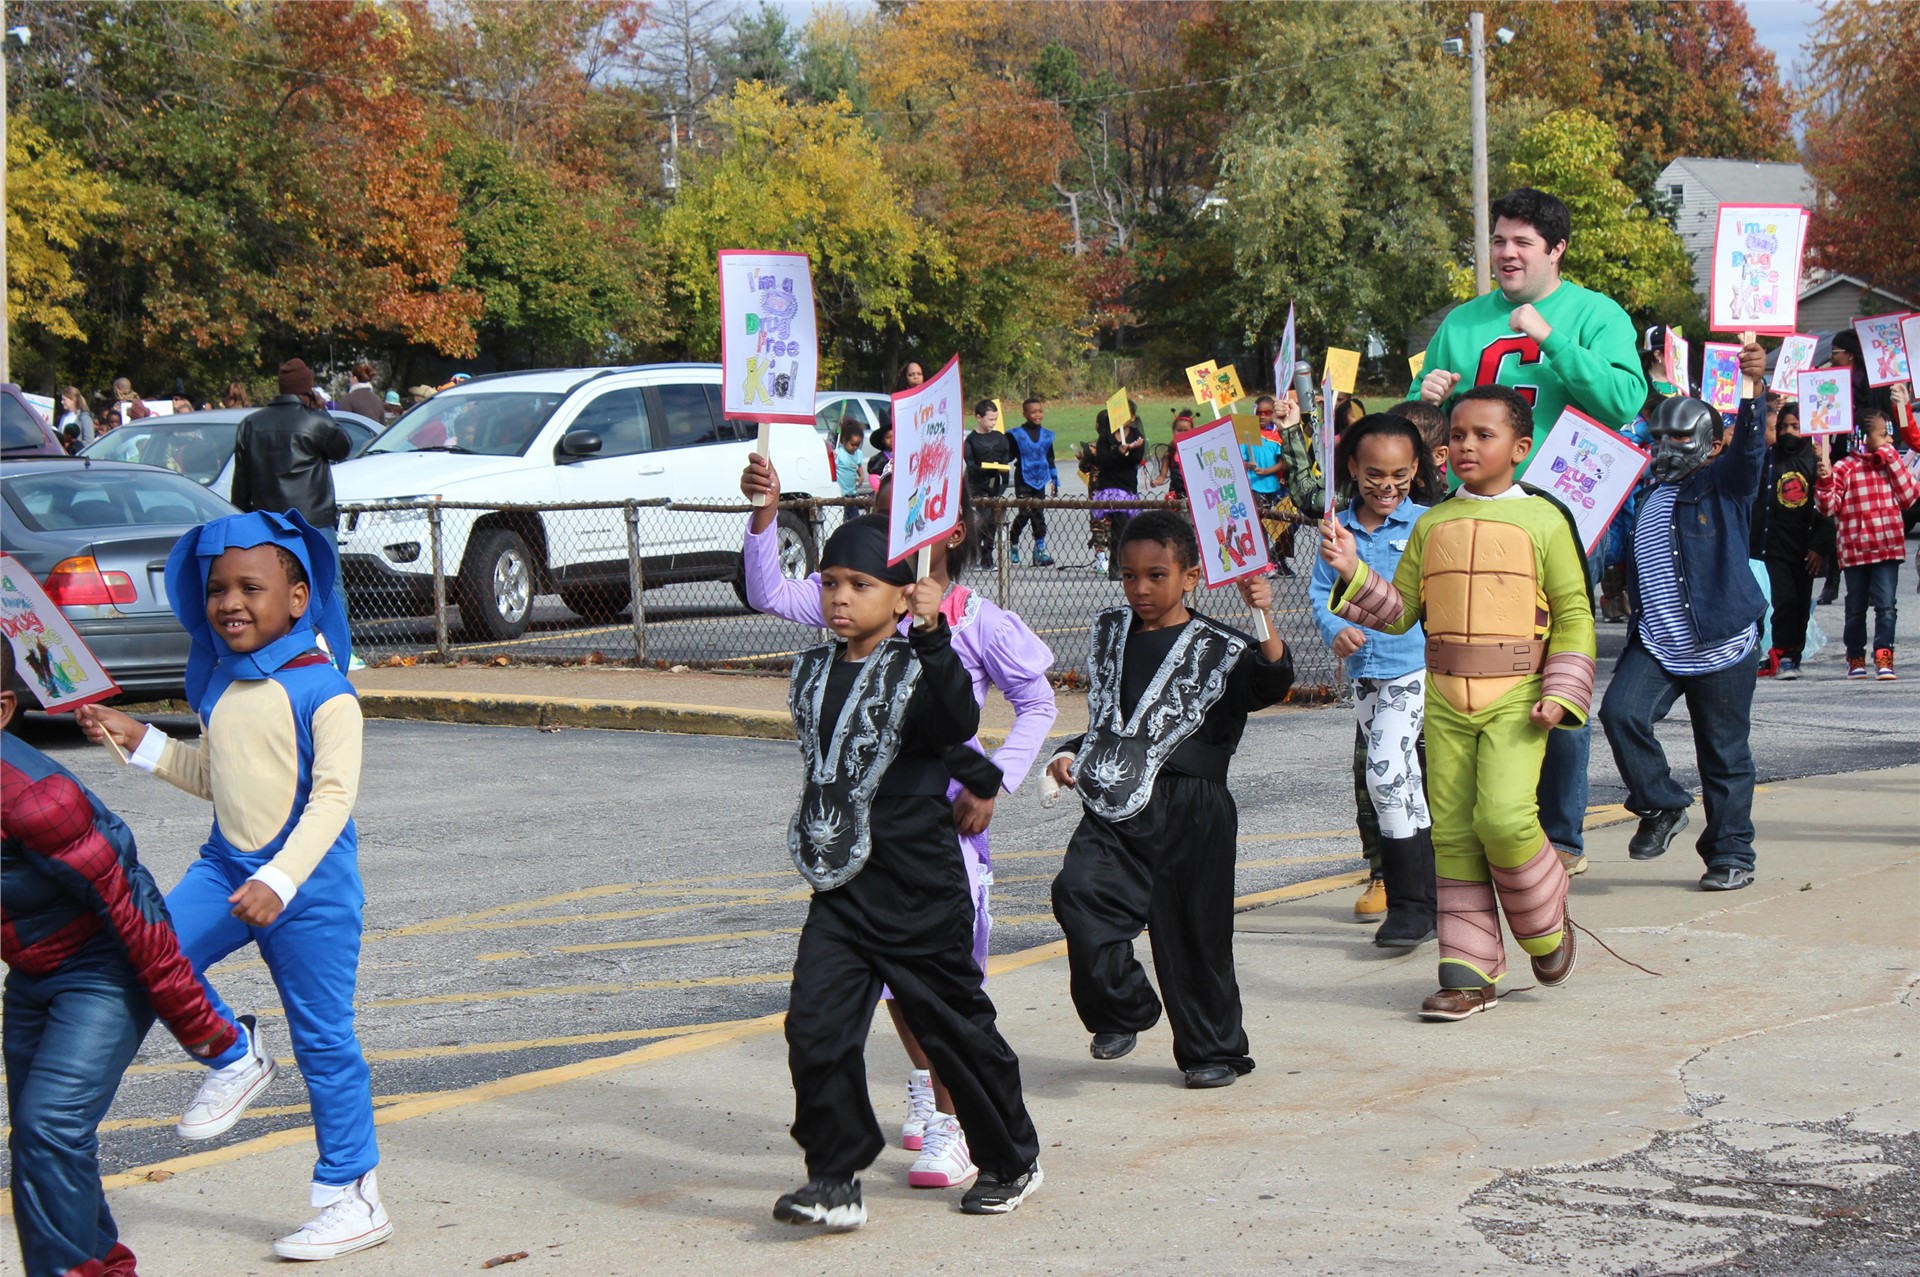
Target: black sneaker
[991,1195]
[1111,1046]
[834,1204]
[1655,834]
[1726,878]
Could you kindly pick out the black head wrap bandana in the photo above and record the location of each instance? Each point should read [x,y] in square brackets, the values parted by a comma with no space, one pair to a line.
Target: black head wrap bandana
[861,545]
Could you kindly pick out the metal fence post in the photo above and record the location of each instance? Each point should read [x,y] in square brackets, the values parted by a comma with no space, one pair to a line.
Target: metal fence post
[636,582]
[439,582]
[1002,552]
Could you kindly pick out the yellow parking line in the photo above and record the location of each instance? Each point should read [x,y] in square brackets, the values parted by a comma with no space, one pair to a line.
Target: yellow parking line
[667,942]
[581,990]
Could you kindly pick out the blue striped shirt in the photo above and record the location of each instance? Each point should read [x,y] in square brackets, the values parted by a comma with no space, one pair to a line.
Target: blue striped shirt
[1665,624]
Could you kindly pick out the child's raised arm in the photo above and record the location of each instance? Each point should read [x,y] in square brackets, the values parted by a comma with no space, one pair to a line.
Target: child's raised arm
[185,767]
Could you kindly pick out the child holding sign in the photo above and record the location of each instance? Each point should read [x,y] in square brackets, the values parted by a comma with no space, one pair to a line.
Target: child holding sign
[1387,458]
[877,717]
[1495,576]
[998,651]
[1167,700]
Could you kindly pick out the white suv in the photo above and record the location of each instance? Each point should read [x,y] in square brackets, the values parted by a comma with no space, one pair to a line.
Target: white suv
[557,436]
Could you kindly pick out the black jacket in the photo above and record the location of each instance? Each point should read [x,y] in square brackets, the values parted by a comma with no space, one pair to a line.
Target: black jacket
[282,459]
[1786,521]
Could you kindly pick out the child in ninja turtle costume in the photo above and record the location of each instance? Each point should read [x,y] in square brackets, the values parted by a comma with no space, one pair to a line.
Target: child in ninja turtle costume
[1495,575]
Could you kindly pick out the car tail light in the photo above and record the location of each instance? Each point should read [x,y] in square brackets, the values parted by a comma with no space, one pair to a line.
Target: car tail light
[79,582]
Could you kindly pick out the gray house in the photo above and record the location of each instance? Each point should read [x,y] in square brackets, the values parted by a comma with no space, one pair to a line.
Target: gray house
[1835,301]
[1698,187]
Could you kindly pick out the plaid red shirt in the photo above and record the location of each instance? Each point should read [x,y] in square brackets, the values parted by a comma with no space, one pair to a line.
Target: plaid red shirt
[1864,496]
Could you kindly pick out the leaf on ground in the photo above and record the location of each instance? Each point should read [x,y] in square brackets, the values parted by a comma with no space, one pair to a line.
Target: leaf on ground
[158,1177]
[498,1260]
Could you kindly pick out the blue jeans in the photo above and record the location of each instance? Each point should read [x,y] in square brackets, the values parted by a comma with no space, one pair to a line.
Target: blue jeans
[1871,585]
[1721,707]
[68,1038]
[1563,786]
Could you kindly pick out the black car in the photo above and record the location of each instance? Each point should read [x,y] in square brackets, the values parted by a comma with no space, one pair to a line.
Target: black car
[96,535]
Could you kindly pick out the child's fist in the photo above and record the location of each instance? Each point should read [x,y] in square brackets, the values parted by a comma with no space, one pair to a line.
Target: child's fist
[1437,385]
[1337,548]
[1257,591]
[924,596]
[760,479]
[1349,641]
[99,723]
[1061,769]
[1547,714]
[1753,361]
[255,904]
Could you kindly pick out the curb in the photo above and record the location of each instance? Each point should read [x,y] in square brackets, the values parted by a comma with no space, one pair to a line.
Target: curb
[483,709]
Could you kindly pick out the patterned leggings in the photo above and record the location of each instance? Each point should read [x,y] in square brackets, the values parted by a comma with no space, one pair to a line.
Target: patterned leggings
[1391,713]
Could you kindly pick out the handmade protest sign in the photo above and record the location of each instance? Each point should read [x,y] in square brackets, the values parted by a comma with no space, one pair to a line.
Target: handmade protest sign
[1415,363]
[1200,379]
[769,340]
[1826,402]
[1220,501]
[1344,367]
[1590,469]
[1119,409]
[47,652]
[1884,349]
[1283,360]
[1755,284]
[1675,358]
[928,465]
[1226,388]
[1910,334]
[1720,375]
[1794,358]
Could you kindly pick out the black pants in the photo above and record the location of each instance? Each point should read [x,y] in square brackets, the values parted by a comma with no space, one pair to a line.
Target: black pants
[1792,604]
[986,522]
[836,985]
[1169,868]
[1038,518]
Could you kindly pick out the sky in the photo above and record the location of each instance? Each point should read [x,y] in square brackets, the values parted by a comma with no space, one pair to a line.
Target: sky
[1783,27]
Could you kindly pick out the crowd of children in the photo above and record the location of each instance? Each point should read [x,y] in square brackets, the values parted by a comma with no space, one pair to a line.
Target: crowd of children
[1465,624]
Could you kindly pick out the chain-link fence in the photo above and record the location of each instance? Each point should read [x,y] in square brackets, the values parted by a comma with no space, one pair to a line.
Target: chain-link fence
[661,582]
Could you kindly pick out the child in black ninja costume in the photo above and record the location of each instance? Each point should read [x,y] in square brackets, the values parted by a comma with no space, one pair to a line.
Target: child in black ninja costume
[877,715]
[1168,696]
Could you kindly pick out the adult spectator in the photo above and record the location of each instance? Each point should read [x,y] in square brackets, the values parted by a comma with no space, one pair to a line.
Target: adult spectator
[236,396]
[132,406]
[75,413]
[362,397]
[283,453]
[1559,345]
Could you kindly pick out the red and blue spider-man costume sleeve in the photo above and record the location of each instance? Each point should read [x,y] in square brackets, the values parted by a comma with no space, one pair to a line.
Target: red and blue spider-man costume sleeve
[57,833]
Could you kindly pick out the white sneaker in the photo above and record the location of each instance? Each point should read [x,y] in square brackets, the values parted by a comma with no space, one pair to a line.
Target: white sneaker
[944,1160]
[351,1218]
[919,1109]
[223,1097]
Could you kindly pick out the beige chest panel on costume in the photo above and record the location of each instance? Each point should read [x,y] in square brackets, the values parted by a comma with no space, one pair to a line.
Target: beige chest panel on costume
[1481,583]
[253,759]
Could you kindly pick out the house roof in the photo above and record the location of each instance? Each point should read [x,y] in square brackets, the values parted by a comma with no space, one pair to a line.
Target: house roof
[1857,282]
[1749,182]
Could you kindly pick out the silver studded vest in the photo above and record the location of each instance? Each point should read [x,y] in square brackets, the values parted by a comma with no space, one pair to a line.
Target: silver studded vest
[830,836]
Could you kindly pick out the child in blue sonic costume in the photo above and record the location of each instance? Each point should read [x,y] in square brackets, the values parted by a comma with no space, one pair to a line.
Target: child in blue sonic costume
[279,756]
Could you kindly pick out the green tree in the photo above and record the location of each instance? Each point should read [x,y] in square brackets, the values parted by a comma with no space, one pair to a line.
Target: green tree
[53,205]
[799,178]
[762,48]
[1619,248]
[1345,173]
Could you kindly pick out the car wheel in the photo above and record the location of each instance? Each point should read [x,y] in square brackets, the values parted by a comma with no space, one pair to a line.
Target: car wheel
[794,551]
[496,585]
[597,602]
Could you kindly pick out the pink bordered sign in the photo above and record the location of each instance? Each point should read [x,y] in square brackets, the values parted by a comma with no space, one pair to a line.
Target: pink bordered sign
[1884,348]
[1720,375]
[769,337]
[1755,282]
[47,653]
[929,424]
[1589,469]
[1220,500]
[1826,402]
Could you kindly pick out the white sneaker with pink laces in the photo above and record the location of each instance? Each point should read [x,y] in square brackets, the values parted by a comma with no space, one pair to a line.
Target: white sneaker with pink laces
[945,1161]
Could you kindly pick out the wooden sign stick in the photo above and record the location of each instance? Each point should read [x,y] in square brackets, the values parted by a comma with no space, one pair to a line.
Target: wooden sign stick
[1749,387]
[764,447]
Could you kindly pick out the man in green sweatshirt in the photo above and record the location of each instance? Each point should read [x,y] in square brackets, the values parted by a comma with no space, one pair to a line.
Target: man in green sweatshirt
[1559,345]
[1556,343]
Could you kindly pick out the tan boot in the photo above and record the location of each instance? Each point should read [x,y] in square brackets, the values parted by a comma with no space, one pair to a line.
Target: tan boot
[1458,1004]
[1372,904]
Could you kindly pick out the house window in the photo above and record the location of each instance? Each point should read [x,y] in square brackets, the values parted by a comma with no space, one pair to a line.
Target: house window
[1678,194]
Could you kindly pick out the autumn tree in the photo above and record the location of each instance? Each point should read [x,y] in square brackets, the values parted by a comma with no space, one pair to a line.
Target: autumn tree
[1672,78]
[54,205]
[1619,248]
[1863,143]
[808,178]
[1345,174]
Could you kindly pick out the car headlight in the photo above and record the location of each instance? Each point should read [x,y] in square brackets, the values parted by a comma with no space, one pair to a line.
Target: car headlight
[381,518]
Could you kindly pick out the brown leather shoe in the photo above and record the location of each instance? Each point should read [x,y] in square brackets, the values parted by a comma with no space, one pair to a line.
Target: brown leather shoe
[1458,1004]
[1553,969]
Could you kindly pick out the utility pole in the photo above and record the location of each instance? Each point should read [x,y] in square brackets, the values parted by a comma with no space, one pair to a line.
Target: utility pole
[1482,231]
